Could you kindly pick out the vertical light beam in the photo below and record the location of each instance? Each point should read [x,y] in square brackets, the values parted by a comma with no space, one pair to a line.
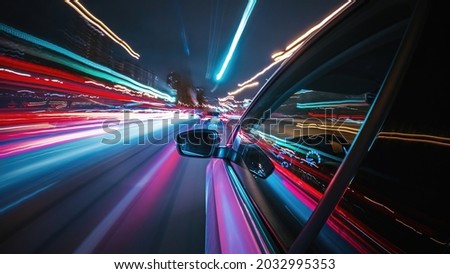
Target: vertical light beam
[247,12]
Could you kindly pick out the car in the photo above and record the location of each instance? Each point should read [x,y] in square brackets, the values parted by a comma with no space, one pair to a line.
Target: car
[213,120]
[346,148]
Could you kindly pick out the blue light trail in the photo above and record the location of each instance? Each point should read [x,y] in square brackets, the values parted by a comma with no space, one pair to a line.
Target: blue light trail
[247,12]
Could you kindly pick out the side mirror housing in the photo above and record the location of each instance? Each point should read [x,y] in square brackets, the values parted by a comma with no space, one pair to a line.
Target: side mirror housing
[199,143]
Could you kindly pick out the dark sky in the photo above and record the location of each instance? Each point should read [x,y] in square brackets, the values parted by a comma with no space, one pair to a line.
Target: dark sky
[191,36]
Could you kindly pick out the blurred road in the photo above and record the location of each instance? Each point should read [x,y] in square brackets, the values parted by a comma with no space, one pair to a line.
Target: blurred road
[77,189]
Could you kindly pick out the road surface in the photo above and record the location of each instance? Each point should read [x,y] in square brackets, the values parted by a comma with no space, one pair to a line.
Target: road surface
[77,188]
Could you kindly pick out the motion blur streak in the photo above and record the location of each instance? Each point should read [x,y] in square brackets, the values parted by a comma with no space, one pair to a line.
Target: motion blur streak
[76,5]
[302,201]
[250,85]
[259,74]
[66,191]
[42,142]
[247,12]
[100,231]
[296,44]
[37,154]
[24,198]
[51,52]
[420,138]
[312,30]
[149,202]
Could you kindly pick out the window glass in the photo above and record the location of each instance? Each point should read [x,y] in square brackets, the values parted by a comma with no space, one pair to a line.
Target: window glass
[400,191]
[290,145]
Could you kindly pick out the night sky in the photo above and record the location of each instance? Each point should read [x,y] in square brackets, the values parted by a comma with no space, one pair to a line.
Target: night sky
[191,37]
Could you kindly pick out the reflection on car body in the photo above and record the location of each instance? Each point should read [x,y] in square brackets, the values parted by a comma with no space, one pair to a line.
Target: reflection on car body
[345,149]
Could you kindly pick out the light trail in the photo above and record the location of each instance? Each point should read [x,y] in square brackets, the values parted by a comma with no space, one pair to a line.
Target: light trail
[83,65]
[247,12]
[259,73]
[251,85]
[298,42]
[98,234]
[76,5]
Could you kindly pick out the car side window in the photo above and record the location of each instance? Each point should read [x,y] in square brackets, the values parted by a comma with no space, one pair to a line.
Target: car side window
[294,141]
[400,191]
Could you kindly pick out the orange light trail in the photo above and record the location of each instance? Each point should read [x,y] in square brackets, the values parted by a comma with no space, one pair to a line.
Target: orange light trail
[420,138]
[76,5]
[259,73]
[254,84]
[295,45]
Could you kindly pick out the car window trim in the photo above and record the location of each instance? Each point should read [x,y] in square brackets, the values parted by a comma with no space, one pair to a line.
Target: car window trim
[265,241]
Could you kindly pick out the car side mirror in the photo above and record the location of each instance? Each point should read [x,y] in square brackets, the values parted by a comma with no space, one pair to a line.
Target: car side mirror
[200,143]
[256,161]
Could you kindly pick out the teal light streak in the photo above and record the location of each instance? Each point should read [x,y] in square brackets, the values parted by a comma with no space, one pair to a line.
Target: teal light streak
[92,68]
[331,103]
[248,10]
[25,198]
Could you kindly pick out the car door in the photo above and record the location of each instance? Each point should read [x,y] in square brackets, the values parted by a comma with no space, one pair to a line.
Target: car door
[305,123]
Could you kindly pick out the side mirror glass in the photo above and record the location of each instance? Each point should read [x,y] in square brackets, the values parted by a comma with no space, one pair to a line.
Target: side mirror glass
[199,143]
[256,161]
